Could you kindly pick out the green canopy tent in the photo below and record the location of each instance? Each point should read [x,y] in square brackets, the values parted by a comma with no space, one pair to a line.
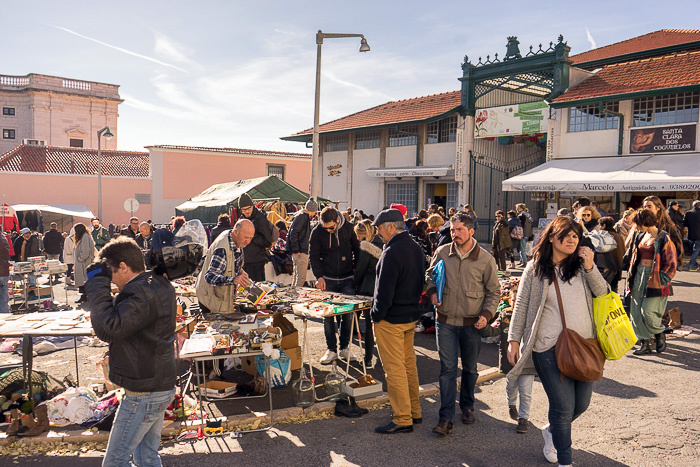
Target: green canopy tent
[218,199]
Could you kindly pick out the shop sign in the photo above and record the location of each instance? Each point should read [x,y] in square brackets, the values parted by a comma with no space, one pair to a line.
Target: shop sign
[334,170]
[459,154]
[674,138]
[509,120]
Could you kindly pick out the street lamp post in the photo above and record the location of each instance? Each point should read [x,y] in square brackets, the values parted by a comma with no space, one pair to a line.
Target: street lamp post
[316,157]
[108,135]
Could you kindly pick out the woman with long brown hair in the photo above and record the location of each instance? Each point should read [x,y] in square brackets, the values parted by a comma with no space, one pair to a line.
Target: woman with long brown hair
[83,254]
[559,263]
[664,222]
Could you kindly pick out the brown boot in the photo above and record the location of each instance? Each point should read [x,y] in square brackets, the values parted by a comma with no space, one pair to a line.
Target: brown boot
[675,318]
[42,421]
[14,426]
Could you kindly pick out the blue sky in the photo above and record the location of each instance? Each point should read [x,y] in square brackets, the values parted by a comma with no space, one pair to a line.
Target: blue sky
[241,74]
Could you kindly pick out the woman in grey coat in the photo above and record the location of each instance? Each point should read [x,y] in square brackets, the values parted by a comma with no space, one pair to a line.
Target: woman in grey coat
[537,321]
[83,255]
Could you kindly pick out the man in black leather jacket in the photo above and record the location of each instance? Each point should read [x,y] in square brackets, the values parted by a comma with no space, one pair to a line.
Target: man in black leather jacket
[139,325]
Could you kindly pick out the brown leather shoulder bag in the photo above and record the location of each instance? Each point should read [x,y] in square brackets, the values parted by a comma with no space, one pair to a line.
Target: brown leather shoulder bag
[578,358]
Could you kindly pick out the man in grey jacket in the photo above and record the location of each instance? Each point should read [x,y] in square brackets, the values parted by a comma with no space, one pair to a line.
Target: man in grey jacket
[469,301]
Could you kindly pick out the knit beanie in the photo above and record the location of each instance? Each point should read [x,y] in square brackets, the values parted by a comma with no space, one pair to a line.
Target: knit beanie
[311,205]
[245,201]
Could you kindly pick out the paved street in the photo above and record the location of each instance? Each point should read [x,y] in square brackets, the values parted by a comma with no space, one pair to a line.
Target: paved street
[645,412]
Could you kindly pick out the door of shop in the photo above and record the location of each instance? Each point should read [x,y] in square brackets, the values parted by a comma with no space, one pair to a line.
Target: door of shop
[443,194]
[487,196]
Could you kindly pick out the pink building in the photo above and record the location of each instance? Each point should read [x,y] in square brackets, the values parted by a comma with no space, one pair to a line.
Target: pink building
[181,172]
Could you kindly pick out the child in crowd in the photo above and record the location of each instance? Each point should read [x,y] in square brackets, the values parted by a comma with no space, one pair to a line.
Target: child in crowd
[524,382]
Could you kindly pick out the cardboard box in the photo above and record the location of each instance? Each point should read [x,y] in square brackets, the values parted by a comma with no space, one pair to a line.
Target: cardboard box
[364,392]
[294,357]
[290,335]
[218,389]
[248,364]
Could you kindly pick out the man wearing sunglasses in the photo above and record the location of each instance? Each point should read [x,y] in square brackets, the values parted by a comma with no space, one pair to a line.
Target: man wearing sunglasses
[333,252]
[132,230]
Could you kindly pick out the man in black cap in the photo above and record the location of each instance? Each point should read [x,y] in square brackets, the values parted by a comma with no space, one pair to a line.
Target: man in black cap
[298,241]
[400,277]
[255,254]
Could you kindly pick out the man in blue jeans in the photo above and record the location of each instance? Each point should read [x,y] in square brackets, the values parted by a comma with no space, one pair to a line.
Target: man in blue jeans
[692,221]
[333,253]
[139,325]
[469,301]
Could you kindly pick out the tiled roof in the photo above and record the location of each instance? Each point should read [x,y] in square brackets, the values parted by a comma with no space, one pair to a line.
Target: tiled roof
[653,40]
[252,152]
[59,160]
[408,110]
[669,71]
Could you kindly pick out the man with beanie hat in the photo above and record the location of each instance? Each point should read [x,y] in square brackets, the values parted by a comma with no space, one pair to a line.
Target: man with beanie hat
[298,241]
[255,254]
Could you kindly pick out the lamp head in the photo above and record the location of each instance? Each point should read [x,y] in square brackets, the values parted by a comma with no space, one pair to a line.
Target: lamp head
[108,135]
[364,47]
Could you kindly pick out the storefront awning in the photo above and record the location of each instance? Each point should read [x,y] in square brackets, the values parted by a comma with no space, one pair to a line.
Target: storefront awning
[667,172]
[398,172]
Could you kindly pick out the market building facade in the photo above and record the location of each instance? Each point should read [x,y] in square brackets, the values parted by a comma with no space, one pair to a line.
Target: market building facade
[53,111]
[629,129]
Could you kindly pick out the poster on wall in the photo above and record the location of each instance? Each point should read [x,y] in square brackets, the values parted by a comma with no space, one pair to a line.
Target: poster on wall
[459,155]
[656,140]
[510,120]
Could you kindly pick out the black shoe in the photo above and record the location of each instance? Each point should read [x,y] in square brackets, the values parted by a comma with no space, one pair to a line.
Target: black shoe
[522,426]
[418,421]
[644,349]
[468,417]
[512,412]
[660,342]
[443,428]
[393,428]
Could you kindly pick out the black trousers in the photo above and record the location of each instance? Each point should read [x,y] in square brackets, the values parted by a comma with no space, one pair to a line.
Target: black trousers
[256,271]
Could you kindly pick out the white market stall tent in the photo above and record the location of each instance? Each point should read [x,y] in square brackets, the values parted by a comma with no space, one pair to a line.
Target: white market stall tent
[41,215]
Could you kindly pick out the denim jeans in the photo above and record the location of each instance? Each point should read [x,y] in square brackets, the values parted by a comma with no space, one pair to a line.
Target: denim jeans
[343,286]
[567,400]
[4,294]
[523,254]
[522,385]
[454,342]
[694,255]
[136,430]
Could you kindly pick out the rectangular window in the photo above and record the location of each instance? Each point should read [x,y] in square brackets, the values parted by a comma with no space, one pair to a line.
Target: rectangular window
[442,131]
[336,143]
[366,139]
[405,136]
[143,198]
[276,170]
[402,193]
[76,143]
[8,134]
[589,117]
[8,110]
[668,109]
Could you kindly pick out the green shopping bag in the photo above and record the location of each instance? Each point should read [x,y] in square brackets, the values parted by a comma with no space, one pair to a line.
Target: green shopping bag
[613,327]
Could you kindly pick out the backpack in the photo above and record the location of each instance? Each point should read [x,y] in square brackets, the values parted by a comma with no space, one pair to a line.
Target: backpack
[602,241]
[517,233]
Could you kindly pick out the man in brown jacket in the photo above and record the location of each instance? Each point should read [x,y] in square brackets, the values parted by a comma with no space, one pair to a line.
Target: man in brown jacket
[469,301]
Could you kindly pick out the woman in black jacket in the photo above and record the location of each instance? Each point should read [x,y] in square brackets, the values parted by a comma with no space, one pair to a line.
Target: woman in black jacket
[365,275]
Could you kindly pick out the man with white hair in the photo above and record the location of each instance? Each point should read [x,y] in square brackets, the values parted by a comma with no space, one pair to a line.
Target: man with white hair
[223,269]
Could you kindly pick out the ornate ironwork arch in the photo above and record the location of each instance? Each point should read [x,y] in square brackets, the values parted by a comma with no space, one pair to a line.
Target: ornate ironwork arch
[542,73]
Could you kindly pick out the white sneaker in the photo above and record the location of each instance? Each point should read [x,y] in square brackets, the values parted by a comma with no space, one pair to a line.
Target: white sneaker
[550,453]
[345,354]
[328,357]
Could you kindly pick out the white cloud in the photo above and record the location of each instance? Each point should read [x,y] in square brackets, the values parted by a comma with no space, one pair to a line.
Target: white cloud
[120,49]
[173,51]
[590,39]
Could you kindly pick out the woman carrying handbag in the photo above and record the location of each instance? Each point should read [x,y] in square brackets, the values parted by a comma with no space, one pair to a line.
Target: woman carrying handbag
[560,268]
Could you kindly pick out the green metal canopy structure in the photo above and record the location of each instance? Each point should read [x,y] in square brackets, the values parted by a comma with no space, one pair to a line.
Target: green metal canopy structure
[220,198]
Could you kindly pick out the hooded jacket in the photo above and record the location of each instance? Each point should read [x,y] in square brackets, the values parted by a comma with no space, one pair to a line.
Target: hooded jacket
[139,325]
[222,226]
[256,252]
[333,255]
[366,270]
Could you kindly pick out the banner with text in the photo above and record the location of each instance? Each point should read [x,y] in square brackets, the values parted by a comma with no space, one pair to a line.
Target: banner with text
[511,120]
[674,138]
